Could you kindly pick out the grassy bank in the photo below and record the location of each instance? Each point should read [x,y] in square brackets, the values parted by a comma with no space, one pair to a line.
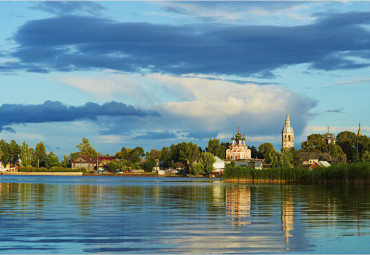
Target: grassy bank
[356,173]
[51,170]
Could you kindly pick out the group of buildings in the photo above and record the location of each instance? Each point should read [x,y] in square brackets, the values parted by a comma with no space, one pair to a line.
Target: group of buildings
[237,152]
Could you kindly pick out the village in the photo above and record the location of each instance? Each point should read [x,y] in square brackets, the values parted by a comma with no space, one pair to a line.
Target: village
[187,159]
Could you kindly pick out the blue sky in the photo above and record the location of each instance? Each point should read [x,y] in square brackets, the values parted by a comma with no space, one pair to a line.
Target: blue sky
[153,74]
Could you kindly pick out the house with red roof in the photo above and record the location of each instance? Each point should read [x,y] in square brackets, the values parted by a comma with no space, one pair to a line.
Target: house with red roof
[84,162]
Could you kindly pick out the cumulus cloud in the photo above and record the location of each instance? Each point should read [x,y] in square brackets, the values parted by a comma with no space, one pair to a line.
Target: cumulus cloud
[222,11]
[210,108]
[70,7]
[68,43]
[57,112]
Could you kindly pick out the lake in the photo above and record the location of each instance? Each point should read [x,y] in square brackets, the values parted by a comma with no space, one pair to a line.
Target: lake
[50,214]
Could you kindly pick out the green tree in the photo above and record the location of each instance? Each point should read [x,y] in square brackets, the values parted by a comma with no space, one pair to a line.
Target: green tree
[286,157]
[363,145]
[116,165]
[25,155]
[188,153]
[366,156]
[52,160]
[264,150]
[207,160]
[156,154]
[347,141]
[66,162]
[166,157]
[204,166]
[254,152]
[4,147]
[149,164]
[86,149]
[196,168]
[14,151]
[135,157]
[216,148]
[274,158]
[39,155]
[336,153]
[315,143]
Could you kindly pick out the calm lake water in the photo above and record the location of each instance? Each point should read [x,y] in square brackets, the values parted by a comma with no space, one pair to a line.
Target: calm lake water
[179,215]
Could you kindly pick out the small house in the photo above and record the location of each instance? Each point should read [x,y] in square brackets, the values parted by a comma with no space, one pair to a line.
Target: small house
[219,165]
[84,162]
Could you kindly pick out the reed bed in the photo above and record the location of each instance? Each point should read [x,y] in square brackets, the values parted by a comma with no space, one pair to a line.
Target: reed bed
[355,173]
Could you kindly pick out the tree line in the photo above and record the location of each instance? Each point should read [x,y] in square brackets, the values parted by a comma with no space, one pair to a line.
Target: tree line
[188,155]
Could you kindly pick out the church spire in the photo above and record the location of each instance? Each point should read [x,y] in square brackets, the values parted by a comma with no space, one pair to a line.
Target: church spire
[287,120]
[359,133]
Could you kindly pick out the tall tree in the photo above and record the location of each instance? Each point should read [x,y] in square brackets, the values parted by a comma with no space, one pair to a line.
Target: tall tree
[347,141]
[274,158]
[254,152]
[166,157]
[315,143]
[149,164]
[52,160]
[188,153]
[207,160]
[264,150]
[156,154]
[25,155]
[14,151]
[66,162]
[86,149]
[336,153]
[39,155]
[216,148]
[4,147]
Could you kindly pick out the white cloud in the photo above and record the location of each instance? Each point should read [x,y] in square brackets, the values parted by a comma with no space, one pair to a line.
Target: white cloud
[243,11]
[321,130]
[219,105]
[195,103]
[363,81]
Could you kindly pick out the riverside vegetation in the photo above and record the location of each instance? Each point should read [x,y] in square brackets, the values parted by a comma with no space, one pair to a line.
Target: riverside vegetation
[193,159]
[355,173]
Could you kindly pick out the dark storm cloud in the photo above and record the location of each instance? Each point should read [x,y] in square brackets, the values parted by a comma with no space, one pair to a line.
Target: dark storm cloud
[70,7]
[71,43]
[58,112]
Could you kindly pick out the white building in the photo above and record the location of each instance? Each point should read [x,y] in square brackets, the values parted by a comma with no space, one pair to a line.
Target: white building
[219,165]
[287,135]
[238,149]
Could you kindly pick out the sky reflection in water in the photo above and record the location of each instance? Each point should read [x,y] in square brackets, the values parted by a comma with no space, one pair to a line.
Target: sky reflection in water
[166,215]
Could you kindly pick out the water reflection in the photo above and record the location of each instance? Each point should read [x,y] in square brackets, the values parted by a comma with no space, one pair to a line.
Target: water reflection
[238,205]
[287,212]
[123,215]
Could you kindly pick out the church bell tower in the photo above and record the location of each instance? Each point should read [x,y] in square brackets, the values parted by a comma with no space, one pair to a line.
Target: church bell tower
[287,135]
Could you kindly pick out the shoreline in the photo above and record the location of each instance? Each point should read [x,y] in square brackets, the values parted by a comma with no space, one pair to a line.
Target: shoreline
[44,173]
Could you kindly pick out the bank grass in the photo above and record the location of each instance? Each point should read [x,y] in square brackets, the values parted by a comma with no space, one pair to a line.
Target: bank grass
[51,170]
[355,173]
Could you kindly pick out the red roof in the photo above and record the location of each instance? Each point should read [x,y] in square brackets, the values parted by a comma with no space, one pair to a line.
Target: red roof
[105,158]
